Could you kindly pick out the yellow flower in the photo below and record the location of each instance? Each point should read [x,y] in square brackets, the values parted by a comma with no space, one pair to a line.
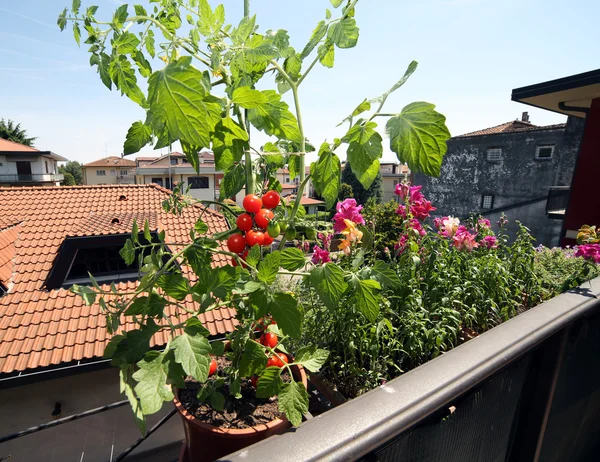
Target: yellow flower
[353,235]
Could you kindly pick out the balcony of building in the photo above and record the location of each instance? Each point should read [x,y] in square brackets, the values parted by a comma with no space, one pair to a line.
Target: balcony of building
[30,178]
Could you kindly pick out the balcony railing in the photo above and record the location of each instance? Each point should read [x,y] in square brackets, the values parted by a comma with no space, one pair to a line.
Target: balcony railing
[558,199]
[526,390]
[32,178]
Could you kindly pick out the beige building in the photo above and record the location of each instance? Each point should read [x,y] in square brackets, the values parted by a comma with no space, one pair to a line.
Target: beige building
[393,173]
[22,165]
[110,170]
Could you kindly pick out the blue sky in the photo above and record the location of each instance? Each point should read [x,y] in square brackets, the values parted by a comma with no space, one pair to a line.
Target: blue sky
[471,54]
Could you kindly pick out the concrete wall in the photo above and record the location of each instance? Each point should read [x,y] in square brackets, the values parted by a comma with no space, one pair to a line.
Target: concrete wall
[38,164]
[389,188]
[113,175]
[467,174]
[91,439]
[203,194]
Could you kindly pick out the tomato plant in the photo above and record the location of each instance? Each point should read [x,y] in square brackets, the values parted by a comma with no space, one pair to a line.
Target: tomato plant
[236,243]
[268,339]
[213,366]
[273,229]
[244,222]
[252,203]
[255,238]
[263,217]
[267,240]
[271,199]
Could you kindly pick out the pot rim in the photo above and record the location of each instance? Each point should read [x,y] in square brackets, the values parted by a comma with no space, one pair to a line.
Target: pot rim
[280,421]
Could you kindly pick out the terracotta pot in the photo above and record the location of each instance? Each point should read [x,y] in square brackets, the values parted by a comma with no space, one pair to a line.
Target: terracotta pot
[204,442]
[332,395]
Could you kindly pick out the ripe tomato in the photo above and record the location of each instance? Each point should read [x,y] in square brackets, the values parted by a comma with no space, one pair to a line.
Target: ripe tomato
[273,229]
[254,238]
[279,362]
[236,243]
[269,339]
[252,203]
[267,241]
[272,361]
[263,217]
[213,366]
[254,381]
[244,222]
[270,199]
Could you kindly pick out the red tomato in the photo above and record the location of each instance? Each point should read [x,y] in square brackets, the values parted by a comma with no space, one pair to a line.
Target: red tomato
[243,256]
[236,243]
[213,366]
[254,381]
[279,362]
[272,361]
[263,217]
[268,240]
[244,222]
[270,199]
[254,238]
[269,339]
[252,203]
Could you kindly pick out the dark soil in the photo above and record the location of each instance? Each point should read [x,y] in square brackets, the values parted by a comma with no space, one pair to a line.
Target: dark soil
[246,412]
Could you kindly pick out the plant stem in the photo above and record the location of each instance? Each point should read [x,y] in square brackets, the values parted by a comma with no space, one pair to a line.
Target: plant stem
[247,156]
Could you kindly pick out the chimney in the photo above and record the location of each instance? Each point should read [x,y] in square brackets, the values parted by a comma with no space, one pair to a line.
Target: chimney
[525,117]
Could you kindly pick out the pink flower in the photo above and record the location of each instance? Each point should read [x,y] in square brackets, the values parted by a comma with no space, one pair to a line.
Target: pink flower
[484,222]
[449,226]
[401,245]
[347,210]
[490,242]
[421,209]
[464,240]
[416,226]
[590,252]
[320,255]
[306,246]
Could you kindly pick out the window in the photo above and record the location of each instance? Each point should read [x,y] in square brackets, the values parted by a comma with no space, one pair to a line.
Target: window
[100,172]
[544,152]
[487,201]
[103,263]
[198,182]
[168,183]
[124,172]
[158,181]
[47,169]
[173,160]
[287,179]
[494,155]
[113,172]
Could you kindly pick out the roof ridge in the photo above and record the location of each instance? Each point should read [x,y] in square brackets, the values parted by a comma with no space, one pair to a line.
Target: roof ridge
[79,186]
[19,144]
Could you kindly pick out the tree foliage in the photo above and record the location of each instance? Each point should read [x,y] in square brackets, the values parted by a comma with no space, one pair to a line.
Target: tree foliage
[69,180]
[13,132]
[73,168]
[362,195]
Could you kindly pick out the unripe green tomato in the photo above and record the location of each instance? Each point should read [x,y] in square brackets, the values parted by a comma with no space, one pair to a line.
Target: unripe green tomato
[282,226]
[273,229]
[290,233]
[311,234]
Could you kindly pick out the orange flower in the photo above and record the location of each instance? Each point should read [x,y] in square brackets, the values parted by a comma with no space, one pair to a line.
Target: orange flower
[353,235]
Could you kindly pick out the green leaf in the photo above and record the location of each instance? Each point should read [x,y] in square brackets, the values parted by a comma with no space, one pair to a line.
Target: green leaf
[62,20]
[200,227]
[127,388]
[328,281]
[274,160]
[174,285]
[128,252]
[75,7]
[217,401]
[233,182]
[180,103]
[192,351]
[362,107]
[123,76]
[259,303]
[198,259]
[251,58]
[367,298]
[152,306]
[268,268]
[293,402]
[311,357]
[326,175]
[253,255]
[269,383]
[126,43]
[292,259]
[336,3]
[140,10]
[76,32]
[253,359]
[274,118]
[147,233]
[138,136]
[248,98]
[326,54]
[219,281]
[418,136]
[293,166]
[364,150]
[315,38]
[217,348]
[344,33]
[88,294]
[149,42]
[412,67]
[293,66]
[120,16]
[287,313]
[385,275]
[112,346]
[152,387]
[230,140]
[102,60]
[206,18]
[144,67]
[240,34]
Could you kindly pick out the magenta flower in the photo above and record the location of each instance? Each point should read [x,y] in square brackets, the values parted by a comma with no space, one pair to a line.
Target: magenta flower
[347,210]
[590,252]
[401,245]
[484,222]
[464,240]
[320,255]
[421,209]
[416,226]
[490,242]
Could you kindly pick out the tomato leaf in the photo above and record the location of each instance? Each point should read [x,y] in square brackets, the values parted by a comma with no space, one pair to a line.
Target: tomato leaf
[293,402]
[287,313]
[174,285]
[268,268]
[138,136]
[269,383]
[192,350]
[311,357]
[274,118]
[248,98]
[152,387]
[292,259]
[127,388]
[328,281]
[253,359]
[367,298]
[326,173]
[385,275]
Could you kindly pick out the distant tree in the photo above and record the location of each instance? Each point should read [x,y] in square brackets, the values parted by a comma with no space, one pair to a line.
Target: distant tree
[345,192]
[74,168]
[11,132]
[69,179]
[361,194]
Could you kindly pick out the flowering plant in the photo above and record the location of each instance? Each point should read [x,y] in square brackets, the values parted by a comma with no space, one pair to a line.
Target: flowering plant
[205,94]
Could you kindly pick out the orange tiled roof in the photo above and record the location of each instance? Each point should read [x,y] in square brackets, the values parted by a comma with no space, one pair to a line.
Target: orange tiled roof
[512,126]
[8,236]
[111,161]
[40,327]
[6,145]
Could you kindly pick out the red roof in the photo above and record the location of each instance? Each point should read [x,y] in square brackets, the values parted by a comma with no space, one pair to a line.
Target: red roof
[512,126]
[111,161]
[11,146]
[40,327]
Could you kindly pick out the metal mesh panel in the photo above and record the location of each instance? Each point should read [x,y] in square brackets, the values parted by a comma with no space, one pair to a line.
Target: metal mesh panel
[479,429]
[573,432]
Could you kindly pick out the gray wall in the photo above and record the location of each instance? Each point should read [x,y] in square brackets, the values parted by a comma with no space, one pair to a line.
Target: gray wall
[467,174]
[91,439]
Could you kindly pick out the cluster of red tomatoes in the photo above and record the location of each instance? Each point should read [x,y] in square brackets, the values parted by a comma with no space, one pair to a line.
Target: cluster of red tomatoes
[256,225]
[269,339]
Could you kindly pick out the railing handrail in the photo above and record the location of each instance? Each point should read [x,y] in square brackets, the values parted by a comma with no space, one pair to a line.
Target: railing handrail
[31,176]
[359,426]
